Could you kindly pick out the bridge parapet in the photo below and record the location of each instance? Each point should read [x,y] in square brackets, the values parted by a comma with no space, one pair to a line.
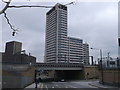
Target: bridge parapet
[59,66]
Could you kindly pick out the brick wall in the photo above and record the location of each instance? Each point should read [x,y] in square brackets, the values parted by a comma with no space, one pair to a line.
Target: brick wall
[91,72]
[110,76]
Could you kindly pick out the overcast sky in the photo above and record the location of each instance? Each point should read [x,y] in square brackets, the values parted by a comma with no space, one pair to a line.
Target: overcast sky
[94,22]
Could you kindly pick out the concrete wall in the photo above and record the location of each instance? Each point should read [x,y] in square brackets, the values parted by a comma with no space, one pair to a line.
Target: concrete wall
[17,79]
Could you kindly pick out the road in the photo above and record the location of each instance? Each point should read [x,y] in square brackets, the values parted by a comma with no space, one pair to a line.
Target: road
[72,85]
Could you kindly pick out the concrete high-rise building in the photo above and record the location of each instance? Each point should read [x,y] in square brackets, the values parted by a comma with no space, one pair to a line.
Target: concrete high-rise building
[85,53]
[56,34]
[58,47]
[75,50]
[78,52]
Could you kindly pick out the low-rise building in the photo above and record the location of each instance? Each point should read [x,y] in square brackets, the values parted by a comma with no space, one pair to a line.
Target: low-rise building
[15,54]
[17,66]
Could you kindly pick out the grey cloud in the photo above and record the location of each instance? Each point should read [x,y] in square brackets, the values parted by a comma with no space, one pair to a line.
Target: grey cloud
[95,23]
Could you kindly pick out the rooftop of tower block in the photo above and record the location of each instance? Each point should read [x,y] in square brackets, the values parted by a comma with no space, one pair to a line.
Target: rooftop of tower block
[57,6]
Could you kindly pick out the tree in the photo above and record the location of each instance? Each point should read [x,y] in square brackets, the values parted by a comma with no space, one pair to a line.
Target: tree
[6,6]
[3,11]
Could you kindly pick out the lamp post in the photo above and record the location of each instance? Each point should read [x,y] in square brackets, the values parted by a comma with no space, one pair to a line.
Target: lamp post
[100,63]
[35,78]
[118,68]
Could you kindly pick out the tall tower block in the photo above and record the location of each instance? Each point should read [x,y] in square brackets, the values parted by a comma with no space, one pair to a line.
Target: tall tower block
[56,34]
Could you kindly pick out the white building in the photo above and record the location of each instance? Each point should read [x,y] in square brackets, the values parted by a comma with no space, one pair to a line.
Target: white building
[56,34]
[58,47]
[77,51]
[109,62]
[85,53]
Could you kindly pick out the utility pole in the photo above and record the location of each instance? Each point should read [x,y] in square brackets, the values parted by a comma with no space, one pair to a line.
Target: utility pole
[108,59]
[35,78]
[101,66]
[92,60]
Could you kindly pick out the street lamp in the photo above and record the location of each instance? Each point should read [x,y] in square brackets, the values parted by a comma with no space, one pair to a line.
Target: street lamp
[35,78]
[100,63]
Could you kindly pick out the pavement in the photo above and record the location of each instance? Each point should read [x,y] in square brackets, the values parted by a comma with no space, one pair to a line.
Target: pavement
[31,86]
[98,85]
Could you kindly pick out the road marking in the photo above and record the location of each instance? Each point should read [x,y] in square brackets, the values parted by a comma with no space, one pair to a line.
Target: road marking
[70,86]
[66,87]
[94,86]
[57,86]
[41,85]
[74,87]
[46,87]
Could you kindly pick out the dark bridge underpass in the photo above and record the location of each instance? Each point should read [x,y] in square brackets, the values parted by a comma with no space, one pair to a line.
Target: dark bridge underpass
[69,74]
